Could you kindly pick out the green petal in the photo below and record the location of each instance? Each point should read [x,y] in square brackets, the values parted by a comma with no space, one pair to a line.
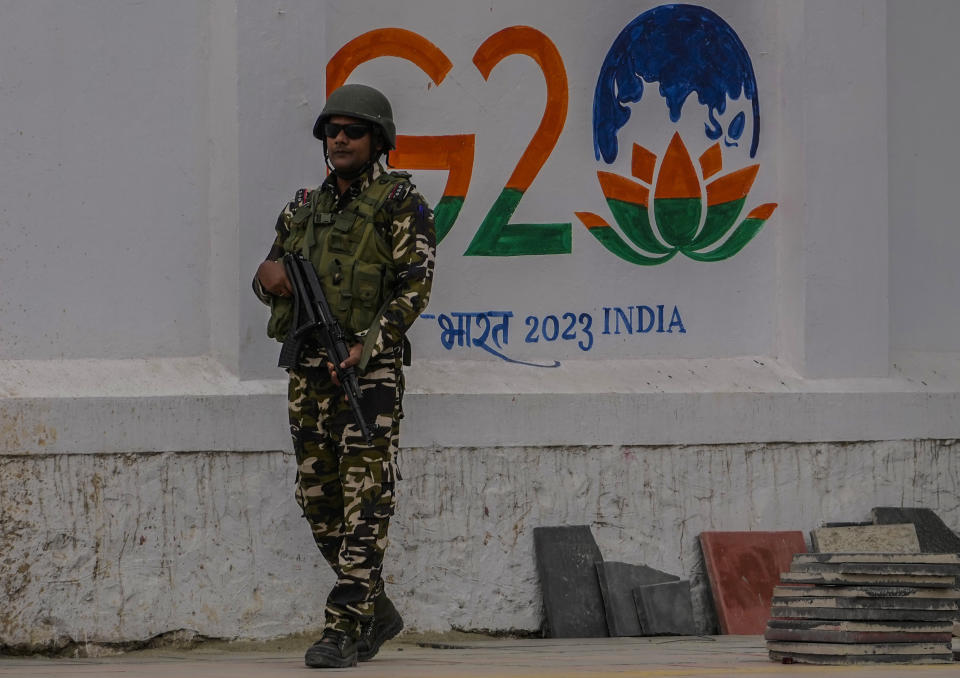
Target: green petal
[720,219]
[609,239]
[677,219]
[736,242]
[634,221]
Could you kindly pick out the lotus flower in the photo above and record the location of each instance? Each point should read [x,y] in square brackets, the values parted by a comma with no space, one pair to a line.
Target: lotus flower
[677,208]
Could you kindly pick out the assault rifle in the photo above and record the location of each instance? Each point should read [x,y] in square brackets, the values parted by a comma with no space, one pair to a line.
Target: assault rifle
[311,313]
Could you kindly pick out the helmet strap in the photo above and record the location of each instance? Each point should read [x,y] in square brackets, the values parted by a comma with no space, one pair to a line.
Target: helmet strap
[340,174]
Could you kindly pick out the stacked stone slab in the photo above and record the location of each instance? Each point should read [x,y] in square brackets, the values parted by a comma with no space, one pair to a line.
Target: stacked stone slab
[857,608]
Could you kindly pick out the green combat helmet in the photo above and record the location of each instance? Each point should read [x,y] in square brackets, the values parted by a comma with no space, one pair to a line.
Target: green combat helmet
[361,102]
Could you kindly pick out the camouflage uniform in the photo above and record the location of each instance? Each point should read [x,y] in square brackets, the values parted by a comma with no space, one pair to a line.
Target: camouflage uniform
[344,486]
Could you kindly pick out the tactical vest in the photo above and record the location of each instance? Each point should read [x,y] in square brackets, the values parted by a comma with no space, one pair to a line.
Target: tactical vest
[353,260]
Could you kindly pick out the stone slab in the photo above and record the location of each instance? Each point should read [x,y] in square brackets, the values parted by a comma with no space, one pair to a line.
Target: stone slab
[665,609]
[867,592]
[808,631]
[617,582]
[567,557]
[934,535]
[859,649]
[848,603]
[911,569]
[846,660]
[828,613]
[858,557]
[849,579]
[863,626]
[743,568]
[866,539]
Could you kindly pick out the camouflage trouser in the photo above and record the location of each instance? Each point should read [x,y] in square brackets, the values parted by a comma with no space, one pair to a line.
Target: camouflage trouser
[344,486]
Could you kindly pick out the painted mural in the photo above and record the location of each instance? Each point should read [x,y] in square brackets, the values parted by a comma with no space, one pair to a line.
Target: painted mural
[685,50]
[684,58]
[496,236]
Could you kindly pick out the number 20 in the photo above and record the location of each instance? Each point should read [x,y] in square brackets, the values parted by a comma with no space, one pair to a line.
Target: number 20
[455,152]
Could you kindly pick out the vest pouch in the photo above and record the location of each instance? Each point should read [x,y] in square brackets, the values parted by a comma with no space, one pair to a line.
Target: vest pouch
[342,243]
[281,316]
[366,288]
[334,276]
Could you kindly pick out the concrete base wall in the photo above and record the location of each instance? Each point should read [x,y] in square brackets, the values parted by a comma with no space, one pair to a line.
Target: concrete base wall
[122,547]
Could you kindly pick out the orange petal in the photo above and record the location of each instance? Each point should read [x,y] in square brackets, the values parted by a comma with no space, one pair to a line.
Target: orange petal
[642,164]
[616,187]
[678,178]
[711,161]
[763,212]
[731,186]
[591,220]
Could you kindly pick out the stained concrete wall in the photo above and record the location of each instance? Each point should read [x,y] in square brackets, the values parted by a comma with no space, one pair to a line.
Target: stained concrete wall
[115,547]
[146,482]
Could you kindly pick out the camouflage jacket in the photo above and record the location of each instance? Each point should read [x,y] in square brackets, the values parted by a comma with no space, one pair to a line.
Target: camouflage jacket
[406,222]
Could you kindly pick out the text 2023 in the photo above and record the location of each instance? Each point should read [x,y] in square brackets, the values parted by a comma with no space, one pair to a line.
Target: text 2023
[568,327]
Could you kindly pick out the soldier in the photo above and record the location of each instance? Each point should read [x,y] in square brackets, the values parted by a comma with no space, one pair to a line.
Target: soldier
[371,237]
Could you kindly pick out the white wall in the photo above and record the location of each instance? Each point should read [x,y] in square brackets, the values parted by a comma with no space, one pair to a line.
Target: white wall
[104,177]
[145,155]
[924,146]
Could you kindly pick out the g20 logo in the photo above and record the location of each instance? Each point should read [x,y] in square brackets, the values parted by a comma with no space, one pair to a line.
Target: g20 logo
[687,49]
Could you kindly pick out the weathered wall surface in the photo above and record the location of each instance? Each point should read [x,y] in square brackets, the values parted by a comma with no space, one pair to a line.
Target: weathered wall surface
[111,548]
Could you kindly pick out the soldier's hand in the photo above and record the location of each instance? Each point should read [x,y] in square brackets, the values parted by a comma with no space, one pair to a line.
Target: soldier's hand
[273,277]
[353,359]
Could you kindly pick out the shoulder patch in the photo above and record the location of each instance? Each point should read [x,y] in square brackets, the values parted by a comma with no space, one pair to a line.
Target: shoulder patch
[400,191]
[302,197]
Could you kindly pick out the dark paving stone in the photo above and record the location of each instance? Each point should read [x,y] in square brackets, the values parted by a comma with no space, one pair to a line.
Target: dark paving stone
[910,592]
[828,613]
[848,579]
[665,609]
[859,649]
[617,582]
[912,569]
[827,635]
[743,568]
[567,560]
[922,558]
[846,660]
[847,603]
[933,533]
[872,626]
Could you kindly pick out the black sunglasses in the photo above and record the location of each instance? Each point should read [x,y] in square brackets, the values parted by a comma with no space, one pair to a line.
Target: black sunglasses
[353,130]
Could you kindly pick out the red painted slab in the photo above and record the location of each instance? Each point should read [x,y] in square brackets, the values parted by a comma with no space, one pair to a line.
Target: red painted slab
[743,568]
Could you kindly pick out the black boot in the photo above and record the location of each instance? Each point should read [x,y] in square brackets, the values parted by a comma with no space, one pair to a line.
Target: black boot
[335,650]
[386,623]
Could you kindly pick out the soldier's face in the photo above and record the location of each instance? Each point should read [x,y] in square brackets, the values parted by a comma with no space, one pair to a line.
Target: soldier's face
[348,154]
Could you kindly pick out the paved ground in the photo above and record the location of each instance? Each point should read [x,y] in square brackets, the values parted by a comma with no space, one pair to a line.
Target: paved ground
[457,657]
